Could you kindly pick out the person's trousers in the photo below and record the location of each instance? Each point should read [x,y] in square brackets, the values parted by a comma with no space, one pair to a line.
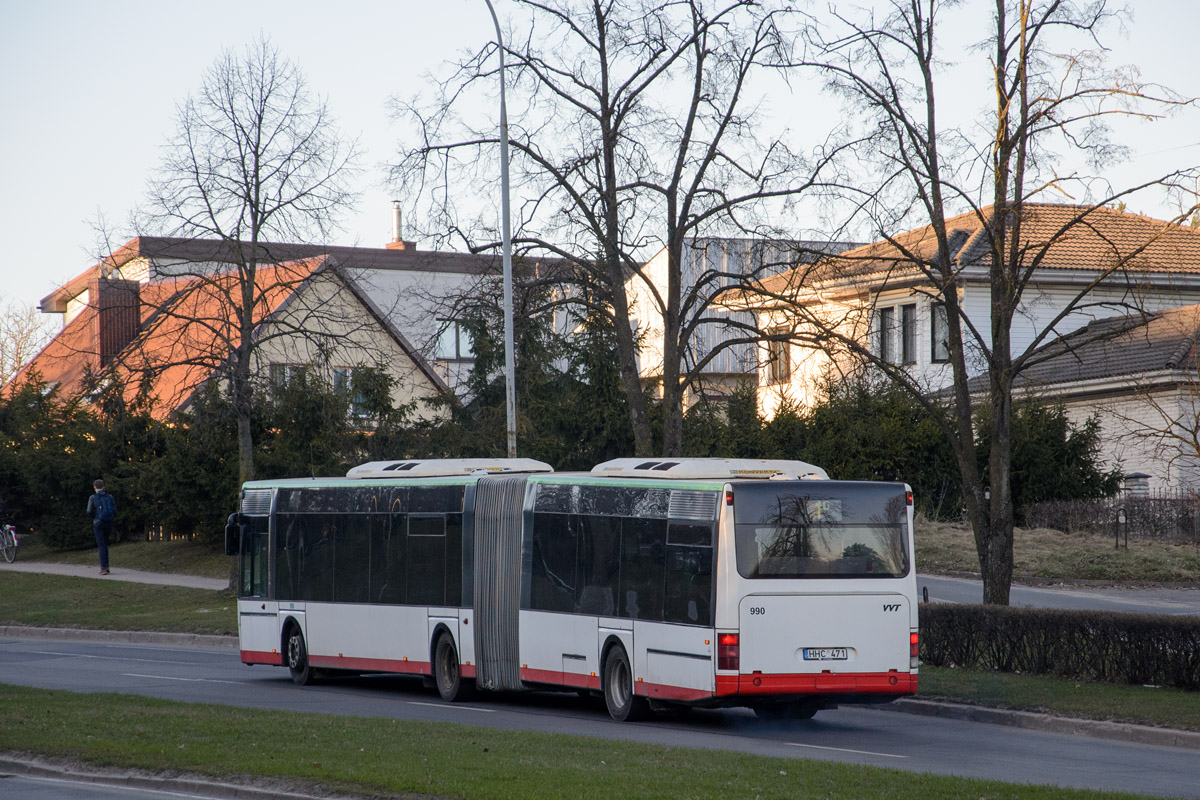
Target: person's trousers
[102,529]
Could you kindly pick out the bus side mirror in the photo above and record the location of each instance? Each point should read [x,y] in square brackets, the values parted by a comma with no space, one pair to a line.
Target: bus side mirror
[233,534]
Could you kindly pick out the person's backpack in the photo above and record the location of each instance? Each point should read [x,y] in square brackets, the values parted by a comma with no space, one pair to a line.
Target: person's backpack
[106,507]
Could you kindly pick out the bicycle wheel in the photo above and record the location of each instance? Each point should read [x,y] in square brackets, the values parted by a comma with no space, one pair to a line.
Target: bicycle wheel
[8,545]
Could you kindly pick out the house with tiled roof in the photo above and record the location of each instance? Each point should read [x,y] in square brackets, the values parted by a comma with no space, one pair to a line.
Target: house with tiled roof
[408,297]
[161,338]
[879,295]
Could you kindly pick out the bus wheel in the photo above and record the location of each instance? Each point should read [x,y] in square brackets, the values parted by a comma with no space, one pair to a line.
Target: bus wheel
[450,683]
[623,704]
[297,658]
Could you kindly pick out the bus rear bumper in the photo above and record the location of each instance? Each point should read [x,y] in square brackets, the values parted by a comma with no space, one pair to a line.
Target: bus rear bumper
[823,683]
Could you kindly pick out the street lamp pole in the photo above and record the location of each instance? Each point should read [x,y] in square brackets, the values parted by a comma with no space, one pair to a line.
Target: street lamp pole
[510,391]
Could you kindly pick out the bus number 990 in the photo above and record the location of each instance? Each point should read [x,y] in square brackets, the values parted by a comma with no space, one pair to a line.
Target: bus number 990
[756,611]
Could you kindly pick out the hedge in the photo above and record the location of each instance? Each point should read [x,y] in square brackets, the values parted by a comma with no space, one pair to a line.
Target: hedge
[1102,646]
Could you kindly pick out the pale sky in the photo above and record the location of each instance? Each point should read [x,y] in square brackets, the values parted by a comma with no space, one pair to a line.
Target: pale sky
[88,91]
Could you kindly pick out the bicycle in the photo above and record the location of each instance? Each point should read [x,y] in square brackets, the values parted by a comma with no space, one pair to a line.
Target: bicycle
[8,542]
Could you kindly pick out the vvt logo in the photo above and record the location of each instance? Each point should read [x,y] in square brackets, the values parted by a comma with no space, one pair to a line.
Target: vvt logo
[890,607]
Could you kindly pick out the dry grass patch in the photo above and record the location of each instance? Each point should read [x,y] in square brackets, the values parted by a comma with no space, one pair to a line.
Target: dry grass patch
[1045,553]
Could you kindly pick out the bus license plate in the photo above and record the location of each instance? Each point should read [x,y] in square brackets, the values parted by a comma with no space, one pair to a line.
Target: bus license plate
[826,654]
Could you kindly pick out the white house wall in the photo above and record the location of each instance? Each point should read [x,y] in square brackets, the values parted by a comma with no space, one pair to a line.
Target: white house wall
[1127,435]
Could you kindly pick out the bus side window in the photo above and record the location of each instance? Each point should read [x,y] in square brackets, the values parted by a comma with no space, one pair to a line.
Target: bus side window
[599,564]
[389,533]
[316,557]
[689,585]
[454,560]
[426,547]
[287,555]
[254,560]
[352,549]
[554,550]
[643,550]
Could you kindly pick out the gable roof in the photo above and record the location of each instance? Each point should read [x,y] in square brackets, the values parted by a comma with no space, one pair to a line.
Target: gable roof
[168,249]
[1054,237]
[184,327]
[1118,347]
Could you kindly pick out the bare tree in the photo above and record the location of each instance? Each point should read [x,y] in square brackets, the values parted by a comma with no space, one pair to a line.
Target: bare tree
[23,332]
[256,160]
[921,172]
[638,127]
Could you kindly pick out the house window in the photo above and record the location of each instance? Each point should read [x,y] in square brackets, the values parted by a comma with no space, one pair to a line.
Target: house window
[454,342]
[939,334]
[779,359]
[885,327]
[908,333]
[280,375]
[349,381]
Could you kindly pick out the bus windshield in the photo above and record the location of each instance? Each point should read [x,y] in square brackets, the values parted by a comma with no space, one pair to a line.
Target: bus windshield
[823,529]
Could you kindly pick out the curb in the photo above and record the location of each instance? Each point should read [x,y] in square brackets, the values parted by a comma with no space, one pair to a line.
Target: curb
[130,637]
[1029,720]
[191,785]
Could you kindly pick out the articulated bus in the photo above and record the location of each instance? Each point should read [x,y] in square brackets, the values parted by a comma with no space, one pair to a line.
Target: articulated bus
[652,583]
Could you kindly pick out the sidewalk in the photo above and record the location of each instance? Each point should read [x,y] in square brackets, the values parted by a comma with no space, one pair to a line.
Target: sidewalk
[117,574]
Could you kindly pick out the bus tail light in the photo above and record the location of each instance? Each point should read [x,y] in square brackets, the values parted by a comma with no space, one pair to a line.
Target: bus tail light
[914,647]
[908,497]
[728,651]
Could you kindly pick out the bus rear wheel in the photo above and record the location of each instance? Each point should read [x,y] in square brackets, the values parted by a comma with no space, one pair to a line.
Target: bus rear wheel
[623,705]
[446,672]
[297,658]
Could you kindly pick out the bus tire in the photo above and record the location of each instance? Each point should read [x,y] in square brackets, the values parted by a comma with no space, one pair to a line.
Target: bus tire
[623,705]
[296,654]
[447,675]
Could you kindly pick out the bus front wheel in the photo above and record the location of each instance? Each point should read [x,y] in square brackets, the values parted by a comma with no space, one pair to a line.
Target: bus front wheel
[297,658]
[446,673]
[623,705]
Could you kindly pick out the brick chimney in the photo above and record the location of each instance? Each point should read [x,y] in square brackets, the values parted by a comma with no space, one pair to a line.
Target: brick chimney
[118,315]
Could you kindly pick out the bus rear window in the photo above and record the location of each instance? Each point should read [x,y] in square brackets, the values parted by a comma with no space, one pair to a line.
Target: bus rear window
[821,530]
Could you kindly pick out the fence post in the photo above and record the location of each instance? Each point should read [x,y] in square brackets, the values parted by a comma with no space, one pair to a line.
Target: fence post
[1122,522]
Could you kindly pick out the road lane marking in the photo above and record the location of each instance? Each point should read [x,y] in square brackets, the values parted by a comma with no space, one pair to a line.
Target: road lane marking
[844,750]
[109,658]
[453,705]
[185,680]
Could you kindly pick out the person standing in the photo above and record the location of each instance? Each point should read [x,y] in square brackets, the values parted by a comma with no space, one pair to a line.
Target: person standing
[102,508]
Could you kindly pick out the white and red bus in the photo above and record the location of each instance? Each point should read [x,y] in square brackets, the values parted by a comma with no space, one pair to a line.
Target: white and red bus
[700,582]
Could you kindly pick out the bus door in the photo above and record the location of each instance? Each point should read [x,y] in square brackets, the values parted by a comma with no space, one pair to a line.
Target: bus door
[258,626]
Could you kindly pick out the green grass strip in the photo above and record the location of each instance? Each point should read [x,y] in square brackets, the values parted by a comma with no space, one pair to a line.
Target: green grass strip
[1141,705]
[382,756]
[56,601]
[173,557]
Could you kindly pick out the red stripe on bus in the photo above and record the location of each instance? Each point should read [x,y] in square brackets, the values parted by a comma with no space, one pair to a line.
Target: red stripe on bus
[664,692]
[370,664]
[262,657]
[818,683]
[466,670]
[560,678]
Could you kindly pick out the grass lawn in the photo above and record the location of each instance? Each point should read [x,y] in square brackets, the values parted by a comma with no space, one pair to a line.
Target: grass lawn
[382,756]
[61,602]
[1045,553]
[176,557]
[1167,708]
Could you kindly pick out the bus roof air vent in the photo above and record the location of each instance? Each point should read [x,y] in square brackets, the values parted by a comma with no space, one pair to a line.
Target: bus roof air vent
[443,467]
[710,468]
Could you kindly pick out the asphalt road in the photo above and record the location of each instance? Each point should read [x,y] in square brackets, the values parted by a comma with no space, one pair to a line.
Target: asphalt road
[1139,601]
[24,787]
[850,735]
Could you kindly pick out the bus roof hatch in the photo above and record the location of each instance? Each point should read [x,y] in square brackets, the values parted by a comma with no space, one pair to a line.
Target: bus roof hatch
[709,468]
